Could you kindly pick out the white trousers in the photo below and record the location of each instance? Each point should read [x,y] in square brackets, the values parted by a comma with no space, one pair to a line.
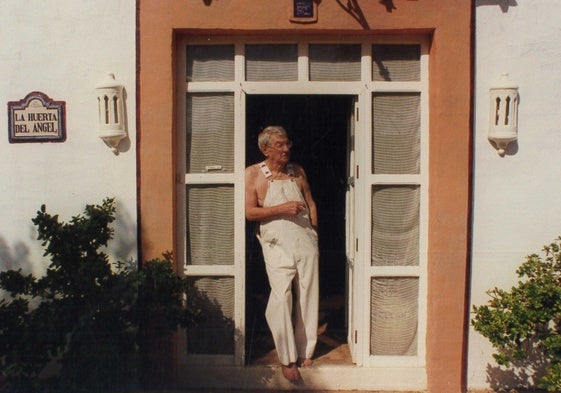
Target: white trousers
[291,260]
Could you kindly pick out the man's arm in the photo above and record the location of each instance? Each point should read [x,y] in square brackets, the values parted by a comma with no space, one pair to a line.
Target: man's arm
[307,194]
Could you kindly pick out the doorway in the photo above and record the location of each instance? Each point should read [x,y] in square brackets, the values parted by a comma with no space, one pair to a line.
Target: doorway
[318,126]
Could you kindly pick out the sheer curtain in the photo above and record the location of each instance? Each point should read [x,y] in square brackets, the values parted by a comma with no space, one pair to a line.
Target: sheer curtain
[335,62]
[267,62]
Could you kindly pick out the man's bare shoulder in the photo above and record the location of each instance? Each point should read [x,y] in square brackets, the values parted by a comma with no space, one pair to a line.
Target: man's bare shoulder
[253,174]
[252,170]
[298,170]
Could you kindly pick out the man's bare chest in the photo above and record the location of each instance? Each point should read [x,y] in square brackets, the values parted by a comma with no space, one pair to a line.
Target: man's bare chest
[263,186]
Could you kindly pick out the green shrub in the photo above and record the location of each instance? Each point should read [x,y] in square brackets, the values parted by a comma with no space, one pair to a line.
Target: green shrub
[524,324]
[84,314]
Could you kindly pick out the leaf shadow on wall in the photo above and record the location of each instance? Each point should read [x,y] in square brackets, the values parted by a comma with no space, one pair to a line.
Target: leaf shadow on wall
[522,373]
[124,243]
[353,9]
[16,258]
[504,4]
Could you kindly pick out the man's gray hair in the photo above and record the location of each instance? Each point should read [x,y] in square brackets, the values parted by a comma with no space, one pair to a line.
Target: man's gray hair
[265,135]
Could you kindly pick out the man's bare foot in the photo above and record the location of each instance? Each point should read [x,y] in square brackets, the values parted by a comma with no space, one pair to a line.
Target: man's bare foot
[291,372]
[305,362]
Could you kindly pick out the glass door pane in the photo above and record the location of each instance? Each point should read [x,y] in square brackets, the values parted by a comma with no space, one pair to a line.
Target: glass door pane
[213,334]
[396,133]
[210,132]
[394,316]
[395,226]
[335,62]
[210,63]
[268,62]
[210,225]
[396,62]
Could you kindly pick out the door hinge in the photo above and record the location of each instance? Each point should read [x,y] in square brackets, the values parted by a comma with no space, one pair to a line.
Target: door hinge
[357,114]
[357,172]
[356,337]
[356,244]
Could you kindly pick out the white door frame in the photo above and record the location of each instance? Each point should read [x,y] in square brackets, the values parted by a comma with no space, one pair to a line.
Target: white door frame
[376,372]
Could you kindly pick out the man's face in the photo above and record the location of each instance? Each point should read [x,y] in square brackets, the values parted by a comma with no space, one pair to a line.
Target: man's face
[278,148]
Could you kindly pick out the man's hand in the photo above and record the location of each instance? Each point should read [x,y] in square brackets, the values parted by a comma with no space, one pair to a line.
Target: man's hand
[291,208]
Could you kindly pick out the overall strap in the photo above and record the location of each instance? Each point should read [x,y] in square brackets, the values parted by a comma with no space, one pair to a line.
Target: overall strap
[290,169]
[269,175]
[265,169]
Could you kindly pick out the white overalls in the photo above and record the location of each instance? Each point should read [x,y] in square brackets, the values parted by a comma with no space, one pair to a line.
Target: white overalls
[290,250]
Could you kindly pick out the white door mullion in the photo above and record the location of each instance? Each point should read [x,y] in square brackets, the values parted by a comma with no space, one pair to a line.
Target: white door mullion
[210,87]
[239,225]
[395,179]
[303,62]
[210,270]
[180,180]
[396,87]
[210,177]
[424,208]
[366,63]
[280,88]
[363,213]
[239,63]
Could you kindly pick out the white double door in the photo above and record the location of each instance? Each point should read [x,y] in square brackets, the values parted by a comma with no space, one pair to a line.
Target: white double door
[382,225]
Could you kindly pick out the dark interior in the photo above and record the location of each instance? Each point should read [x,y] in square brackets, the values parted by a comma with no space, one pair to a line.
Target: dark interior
[318,125]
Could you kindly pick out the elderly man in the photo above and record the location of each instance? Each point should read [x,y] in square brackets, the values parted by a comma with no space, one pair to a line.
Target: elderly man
[278,196]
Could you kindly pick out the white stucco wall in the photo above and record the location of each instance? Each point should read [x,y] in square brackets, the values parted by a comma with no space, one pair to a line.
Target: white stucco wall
[516,198]
[63,48]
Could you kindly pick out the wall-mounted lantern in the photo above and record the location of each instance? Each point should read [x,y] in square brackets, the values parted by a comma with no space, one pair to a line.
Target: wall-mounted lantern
[111,112]
[503,118]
